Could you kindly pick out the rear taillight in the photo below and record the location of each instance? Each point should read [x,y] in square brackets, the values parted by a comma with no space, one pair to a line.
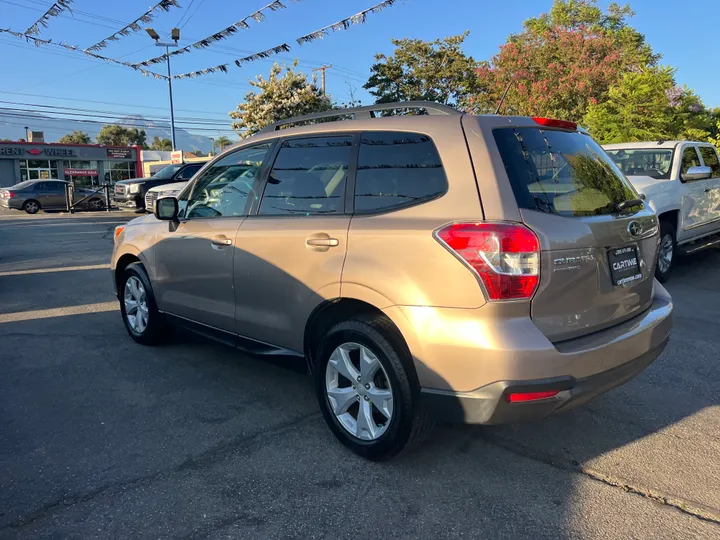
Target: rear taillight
[530,396]
[551,122]
[505,256]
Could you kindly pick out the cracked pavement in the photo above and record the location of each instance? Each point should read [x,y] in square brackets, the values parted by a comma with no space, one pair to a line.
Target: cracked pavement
[103,438]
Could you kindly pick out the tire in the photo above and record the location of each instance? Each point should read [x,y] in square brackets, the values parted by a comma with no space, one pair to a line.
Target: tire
[155,329]
[96,205]
[666,258]
[409,422]
[31,206]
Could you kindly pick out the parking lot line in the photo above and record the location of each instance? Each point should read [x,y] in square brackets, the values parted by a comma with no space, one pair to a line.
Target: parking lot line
[82,309]
[49,270]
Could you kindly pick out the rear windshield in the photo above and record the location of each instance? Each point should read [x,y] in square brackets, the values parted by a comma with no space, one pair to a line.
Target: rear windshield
[560,172]
[23,185]
[654,163]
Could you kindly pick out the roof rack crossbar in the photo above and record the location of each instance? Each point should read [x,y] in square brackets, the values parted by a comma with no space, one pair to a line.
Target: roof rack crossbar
[365,112]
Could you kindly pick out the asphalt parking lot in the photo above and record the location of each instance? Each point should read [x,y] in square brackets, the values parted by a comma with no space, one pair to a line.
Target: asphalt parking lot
[103,438]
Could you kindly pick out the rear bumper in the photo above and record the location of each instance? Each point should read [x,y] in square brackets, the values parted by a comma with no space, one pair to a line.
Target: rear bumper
[488,405]
[10,203]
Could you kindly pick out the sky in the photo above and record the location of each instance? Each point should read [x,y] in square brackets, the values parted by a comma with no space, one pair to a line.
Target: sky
[49,75]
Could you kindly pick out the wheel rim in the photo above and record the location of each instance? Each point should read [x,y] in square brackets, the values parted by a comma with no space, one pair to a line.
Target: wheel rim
[666,253]
[32,207]
[136,308]
[358,391]
[96,204]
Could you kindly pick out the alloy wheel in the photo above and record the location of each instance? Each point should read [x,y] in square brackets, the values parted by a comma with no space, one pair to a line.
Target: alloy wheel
[136,307]
[666,253]
[31,207]
[358,391]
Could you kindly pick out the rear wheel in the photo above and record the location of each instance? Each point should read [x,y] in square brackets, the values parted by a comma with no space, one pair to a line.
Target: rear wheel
[666,251]
[365,389]
[31,206]
[143,321]
[96,204]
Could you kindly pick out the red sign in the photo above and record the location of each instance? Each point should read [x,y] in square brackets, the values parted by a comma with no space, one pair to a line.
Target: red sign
[81,172]
[34,151]
[176,156]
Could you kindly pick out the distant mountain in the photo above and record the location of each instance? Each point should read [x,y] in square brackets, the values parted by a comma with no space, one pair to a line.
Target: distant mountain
[12,127]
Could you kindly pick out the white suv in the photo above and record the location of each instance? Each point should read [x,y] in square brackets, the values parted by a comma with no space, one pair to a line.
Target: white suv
[680,181]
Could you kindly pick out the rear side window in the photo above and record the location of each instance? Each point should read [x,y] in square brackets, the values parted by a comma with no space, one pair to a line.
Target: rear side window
[560,172]
[308,177]
[711,160]
[397,169]
[689,159]
[188,172]
[643,162]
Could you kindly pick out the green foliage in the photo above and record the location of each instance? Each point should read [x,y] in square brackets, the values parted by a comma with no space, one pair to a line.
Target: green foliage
[76,137]
[279,97]
[425,70]
[161,144]
[222,142]
[114,135]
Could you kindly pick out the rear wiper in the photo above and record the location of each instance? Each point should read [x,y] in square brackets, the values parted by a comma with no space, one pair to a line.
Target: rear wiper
[627,204]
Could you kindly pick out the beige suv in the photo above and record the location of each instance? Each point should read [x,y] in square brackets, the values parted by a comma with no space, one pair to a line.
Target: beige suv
[481,269]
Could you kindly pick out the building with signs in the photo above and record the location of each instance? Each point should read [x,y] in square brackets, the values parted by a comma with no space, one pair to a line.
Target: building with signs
[86,165]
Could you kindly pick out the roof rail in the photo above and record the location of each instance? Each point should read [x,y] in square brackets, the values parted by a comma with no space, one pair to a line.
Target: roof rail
[365,112]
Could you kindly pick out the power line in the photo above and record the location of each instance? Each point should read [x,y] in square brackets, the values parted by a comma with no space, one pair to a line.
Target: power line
[193,14]
[104,102]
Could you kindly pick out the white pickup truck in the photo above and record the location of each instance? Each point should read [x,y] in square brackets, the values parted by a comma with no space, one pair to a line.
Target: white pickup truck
[680,180]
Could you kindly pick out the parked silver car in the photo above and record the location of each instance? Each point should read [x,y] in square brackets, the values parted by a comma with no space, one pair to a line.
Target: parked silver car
[34,195]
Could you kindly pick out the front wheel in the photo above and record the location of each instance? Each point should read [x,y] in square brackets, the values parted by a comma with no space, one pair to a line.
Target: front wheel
[143,321]
[666,251]
[367,391]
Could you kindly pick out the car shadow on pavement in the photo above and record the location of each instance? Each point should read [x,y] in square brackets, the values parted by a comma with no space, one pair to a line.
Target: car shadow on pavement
[105,438]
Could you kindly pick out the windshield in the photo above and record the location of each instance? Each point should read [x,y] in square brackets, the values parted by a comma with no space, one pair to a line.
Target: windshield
[560,172]
[167,172]
[652,162]
[23,185]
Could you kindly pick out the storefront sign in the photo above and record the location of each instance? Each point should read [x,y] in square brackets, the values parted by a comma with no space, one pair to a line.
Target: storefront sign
[81,172]
[119,153]
[176,156]
[50,152]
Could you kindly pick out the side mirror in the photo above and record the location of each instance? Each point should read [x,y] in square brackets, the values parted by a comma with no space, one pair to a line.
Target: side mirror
[166,209]
[696,173]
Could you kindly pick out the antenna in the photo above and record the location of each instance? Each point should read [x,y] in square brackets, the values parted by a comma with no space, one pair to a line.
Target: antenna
[502,99]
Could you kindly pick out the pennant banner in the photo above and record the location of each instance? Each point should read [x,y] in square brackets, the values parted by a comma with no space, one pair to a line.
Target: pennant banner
[222,34]
[192,75]
[358,18]
[37,42]
[163,5]
[56,9]
[264,54]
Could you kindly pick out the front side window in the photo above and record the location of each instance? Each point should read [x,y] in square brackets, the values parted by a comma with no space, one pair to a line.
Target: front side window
[561,172]
[397,169]
[308,177]
[689,159]
[225,188]
[642,162]
[710,159]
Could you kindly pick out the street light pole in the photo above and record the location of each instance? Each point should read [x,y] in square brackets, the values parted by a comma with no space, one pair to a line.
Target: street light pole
[172,111]
[175,37]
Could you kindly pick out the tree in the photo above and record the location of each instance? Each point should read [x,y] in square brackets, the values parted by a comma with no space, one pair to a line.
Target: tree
[161,144]
[223,141]
[114,135]
[76,137]
[425,70]
[563,61]
[279,97]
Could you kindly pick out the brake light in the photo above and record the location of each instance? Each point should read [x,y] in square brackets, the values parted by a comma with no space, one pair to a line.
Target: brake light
[530,396]
[550,122]
[505,256]
[10,194]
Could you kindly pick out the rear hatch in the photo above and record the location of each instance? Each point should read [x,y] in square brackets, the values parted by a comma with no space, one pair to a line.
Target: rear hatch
[597,255]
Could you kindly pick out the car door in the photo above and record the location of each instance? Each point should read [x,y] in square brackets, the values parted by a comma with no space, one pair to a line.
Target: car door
[194,258]
[49,194]
[290,250]
[712,188]
[694,199]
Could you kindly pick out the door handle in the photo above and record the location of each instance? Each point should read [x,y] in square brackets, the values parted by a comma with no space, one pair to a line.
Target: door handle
[322,242]
[220,240]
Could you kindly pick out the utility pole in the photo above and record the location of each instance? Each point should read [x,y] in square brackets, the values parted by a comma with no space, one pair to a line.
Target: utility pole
[175,37]
[322,72]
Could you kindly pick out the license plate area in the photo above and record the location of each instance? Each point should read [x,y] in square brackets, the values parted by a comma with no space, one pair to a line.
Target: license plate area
[624,265]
